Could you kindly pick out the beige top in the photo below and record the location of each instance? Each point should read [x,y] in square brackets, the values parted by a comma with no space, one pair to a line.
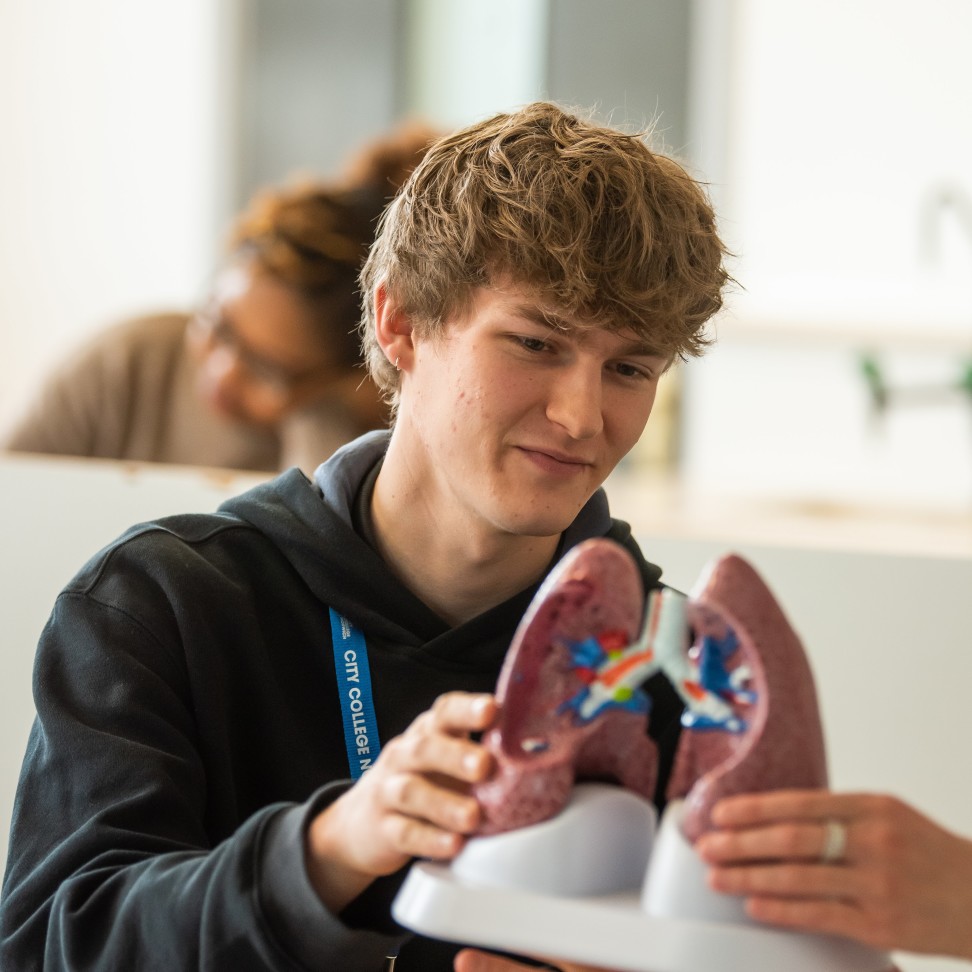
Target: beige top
[130,394]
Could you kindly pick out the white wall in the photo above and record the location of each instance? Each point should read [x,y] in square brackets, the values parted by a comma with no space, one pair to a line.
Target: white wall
[838,122]
[792,421]
[843,115]
[112,167]
[467,60]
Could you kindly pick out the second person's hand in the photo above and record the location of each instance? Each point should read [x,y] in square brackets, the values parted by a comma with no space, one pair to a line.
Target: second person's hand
[896,880]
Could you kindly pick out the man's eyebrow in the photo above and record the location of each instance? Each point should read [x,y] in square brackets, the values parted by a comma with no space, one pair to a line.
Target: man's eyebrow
[537,315]
[644,349]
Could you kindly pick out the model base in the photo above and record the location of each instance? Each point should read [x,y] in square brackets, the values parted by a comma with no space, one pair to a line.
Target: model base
[620,930]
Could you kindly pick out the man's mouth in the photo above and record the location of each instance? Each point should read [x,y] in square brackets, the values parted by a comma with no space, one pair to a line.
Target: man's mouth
[554,461]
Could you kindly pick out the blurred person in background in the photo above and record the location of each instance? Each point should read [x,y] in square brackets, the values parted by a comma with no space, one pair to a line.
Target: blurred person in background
[266,373]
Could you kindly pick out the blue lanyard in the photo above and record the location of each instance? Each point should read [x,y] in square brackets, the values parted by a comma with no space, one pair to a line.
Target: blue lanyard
[354,692]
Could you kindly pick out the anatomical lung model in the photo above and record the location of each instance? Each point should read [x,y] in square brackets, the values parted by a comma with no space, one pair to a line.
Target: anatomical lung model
[573,708]
[570,840]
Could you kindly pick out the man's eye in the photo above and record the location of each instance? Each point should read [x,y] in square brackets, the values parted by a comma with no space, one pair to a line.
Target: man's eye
[533,343]
[630,371]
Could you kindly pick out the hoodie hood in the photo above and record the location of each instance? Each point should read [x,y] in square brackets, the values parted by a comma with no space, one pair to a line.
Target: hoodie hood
[311,524]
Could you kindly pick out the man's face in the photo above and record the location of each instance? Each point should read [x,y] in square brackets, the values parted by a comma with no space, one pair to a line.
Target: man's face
[516,421]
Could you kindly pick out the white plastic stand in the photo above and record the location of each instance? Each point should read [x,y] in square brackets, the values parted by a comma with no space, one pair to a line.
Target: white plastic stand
[577,888]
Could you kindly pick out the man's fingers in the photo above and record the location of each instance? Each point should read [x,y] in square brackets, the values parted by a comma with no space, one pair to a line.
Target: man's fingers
[437,741]
[417,838]
[415,796]
[447,756]
[460,712]
[473,960]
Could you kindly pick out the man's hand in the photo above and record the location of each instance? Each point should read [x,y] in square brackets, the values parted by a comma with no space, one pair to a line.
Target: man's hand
[471,960]
[899,881]
[413,802]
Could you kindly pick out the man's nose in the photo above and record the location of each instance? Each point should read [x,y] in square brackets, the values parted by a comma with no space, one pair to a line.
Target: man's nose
[575,401]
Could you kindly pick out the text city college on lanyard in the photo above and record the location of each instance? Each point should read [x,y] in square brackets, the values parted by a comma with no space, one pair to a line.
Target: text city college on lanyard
[357,704]
[354,692]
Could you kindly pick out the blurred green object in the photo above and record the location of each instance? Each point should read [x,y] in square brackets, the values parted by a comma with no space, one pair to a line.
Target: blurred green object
[874,377]
[881,393]
[965,382]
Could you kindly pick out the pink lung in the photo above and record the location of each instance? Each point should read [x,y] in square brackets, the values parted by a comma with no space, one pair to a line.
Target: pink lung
[783,746]
[539,747]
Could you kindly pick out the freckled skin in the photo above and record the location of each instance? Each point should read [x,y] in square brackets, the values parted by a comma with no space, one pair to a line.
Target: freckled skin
[498,388]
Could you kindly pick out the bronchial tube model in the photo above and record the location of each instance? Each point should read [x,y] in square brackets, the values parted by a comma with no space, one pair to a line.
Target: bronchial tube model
[571,862]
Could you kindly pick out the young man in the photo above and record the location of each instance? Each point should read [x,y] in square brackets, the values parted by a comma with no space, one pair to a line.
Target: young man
[203,786]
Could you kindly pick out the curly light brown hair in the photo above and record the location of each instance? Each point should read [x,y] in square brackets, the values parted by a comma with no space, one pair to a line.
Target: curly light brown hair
[314,235]
[583,216]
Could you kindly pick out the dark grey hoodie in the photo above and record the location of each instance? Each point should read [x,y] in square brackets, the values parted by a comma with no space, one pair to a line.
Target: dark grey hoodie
[188,728]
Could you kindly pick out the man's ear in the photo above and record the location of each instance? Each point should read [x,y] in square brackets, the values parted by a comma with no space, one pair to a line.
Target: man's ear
[393,329]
